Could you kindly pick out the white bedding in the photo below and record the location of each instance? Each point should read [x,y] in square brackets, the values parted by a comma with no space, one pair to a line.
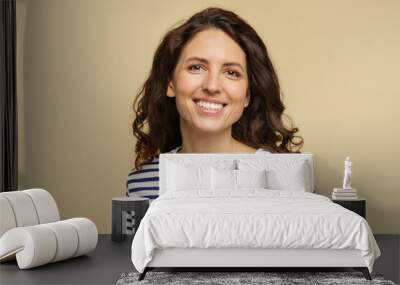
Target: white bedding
[251,218]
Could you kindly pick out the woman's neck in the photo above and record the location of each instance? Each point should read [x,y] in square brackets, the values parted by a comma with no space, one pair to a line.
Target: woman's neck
[223,142]
[206,146]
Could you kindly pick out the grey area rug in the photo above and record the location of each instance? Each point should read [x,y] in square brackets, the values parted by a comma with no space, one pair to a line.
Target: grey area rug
[269,278]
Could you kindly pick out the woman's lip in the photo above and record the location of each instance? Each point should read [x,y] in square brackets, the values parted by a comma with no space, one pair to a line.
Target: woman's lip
[208,112]
[217,102]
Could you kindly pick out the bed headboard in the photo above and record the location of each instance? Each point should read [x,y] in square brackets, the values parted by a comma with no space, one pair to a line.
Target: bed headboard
[249,160]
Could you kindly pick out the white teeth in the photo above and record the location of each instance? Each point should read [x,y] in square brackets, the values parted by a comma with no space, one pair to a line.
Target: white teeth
[208,105]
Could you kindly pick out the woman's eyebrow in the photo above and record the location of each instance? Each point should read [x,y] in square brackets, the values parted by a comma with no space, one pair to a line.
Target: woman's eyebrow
[206,61]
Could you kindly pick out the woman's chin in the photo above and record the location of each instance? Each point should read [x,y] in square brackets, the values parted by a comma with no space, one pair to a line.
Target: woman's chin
[208,128]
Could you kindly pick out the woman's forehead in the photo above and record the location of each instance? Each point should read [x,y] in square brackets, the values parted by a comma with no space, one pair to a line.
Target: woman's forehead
[214,46]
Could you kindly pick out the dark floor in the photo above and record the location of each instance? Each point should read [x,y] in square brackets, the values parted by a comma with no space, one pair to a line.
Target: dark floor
[389,262]
[102,266]
[111,259]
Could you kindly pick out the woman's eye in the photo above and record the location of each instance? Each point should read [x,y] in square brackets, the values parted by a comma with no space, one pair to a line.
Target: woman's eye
[195,67]
[233,73]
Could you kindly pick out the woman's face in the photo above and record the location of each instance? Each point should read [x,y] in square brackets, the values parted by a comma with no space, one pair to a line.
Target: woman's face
[210,82]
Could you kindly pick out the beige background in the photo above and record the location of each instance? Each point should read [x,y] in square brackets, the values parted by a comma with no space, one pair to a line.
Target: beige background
[80,64]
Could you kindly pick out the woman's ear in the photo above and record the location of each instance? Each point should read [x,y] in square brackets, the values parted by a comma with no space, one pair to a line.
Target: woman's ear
[247,100]
[170,89]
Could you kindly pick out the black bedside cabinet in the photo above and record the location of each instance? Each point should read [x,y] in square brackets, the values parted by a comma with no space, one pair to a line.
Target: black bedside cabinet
[123,204]
[357,206]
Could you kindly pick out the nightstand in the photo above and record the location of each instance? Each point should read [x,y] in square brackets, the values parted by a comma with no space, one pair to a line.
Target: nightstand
[358,206]
[123,204]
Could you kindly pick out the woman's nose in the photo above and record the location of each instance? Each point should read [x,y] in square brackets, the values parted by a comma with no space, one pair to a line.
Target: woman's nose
[211,82]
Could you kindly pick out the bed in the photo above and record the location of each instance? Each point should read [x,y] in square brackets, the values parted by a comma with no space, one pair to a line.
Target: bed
[246,211]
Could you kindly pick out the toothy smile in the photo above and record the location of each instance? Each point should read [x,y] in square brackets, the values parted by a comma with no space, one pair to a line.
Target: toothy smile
[208,105]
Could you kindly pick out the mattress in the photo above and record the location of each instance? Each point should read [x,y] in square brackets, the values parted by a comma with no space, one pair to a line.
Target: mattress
[250,219]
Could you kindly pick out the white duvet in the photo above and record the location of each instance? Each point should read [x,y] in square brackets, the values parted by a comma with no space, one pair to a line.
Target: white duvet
[252,218]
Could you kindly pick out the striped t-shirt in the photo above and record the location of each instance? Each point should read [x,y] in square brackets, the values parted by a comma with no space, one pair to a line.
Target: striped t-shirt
[144,182]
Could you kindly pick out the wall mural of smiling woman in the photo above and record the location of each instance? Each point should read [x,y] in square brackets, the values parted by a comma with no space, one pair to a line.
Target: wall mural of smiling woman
[212,89]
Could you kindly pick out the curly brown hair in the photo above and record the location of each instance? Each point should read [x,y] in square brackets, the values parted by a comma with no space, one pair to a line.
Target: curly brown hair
[261,124]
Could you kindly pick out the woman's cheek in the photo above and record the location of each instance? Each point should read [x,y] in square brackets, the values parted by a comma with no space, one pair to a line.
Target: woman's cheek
[187,84]
[238,112]
[237,93]
[181,105]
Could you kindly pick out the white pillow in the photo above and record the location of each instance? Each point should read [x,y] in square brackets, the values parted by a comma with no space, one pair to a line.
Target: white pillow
[251,178]
[182,177]
[223,179]
[289,178]
[236,179]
